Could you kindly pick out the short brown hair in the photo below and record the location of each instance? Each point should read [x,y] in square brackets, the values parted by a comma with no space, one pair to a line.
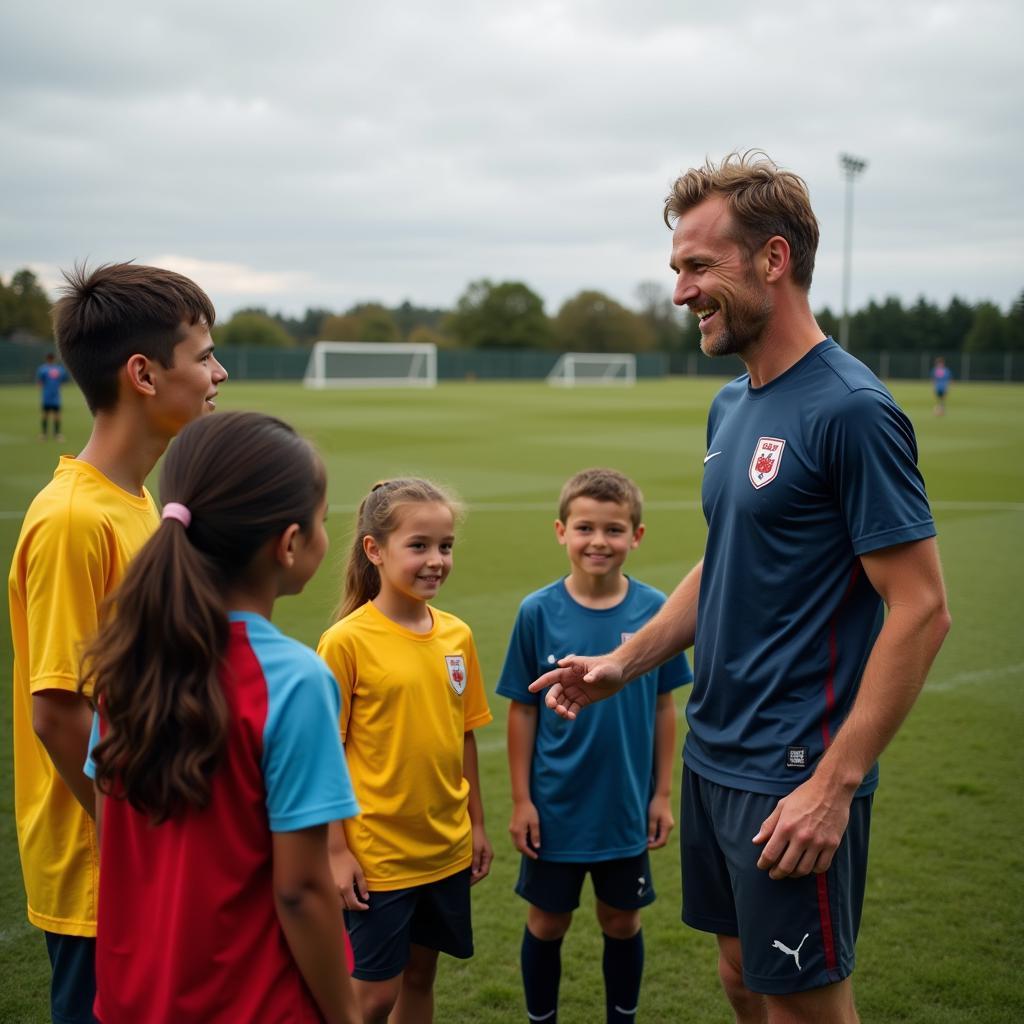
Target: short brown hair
[108,314]
[764,200]
[602,485]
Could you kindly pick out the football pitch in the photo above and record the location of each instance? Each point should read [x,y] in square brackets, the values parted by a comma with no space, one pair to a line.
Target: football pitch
[942,939]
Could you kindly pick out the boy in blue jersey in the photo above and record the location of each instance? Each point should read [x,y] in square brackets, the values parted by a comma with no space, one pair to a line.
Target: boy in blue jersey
[817,520]
[624,750]
[50,376]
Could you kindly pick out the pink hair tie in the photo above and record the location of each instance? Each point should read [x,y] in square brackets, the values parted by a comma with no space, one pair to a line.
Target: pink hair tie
[175,510]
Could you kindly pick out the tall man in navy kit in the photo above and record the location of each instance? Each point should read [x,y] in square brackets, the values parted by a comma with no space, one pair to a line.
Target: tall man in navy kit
[817,516]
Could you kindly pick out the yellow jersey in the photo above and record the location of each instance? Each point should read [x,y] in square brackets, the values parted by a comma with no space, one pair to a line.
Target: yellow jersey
[78,536]
[408,699]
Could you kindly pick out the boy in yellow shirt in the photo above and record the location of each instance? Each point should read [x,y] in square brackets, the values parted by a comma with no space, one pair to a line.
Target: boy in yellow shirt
[137,342]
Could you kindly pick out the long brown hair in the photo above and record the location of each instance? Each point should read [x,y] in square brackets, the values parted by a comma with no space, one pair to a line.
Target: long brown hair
[153,666]
[378,516]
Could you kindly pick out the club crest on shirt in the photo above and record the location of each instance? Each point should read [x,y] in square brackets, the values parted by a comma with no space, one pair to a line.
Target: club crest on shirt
[764,466]
[456,665]
[623,637]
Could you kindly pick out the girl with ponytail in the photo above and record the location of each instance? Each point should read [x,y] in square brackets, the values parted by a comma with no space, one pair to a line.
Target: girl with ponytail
[412,694]
[215,754]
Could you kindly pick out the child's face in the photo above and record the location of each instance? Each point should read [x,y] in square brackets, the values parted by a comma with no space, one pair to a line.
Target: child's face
[310,548]
[416,558]
[187,389]
[597,536]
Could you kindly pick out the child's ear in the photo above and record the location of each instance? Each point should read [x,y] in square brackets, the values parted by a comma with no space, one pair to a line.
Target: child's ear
[560,531]
[139,375]
[372,550]
[284,547]
[638,535]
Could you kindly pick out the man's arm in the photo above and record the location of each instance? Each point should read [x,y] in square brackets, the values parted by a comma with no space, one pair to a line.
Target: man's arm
[579,681]
[483,854]
[806,827]
[659,811]
[522,734]
[63,721]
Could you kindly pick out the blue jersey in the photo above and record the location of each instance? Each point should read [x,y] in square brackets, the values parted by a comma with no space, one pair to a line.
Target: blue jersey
[801,477]
[611,747]
[50,377]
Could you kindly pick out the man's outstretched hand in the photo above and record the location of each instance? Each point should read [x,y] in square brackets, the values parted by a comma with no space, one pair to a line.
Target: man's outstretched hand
[579,681]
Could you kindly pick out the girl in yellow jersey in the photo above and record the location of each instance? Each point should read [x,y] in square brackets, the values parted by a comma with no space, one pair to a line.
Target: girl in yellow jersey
[412,694]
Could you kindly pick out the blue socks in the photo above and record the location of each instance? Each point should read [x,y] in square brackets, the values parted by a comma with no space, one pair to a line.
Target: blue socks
[542,971]
[623,965]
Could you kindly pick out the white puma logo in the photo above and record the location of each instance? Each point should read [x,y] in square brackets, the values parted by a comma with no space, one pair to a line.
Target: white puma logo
[794,953]
[640,892]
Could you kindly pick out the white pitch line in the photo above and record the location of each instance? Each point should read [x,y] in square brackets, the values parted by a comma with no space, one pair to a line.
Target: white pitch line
[982,675]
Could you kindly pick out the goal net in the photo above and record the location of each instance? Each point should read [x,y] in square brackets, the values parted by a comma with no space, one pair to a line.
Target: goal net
[367,364]
[576,369]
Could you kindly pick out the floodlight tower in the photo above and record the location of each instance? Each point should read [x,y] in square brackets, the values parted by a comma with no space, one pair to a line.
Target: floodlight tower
[852,166]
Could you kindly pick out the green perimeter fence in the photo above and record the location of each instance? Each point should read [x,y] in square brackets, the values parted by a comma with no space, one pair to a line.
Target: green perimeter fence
[18,363]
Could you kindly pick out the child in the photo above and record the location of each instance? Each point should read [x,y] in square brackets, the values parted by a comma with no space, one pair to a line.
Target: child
[50,377]
[137,342]
[941,376]
[219,764]
[411,695]
[626,755]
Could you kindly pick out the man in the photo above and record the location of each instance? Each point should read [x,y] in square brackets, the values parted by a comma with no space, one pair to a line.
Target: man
[50,376]
[817,515]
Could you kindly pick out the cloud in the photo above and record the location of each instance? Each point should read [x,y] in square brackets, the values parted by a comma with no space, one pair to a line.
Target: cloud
[336,152]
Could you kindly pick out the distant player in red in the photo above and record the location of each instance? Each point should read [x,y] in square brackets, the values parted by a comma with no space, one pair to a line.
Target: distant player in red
[215,750]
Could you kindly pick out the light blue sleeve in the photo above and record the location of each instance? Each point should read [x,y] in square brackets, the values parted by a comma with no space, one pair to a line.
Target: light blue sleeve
[304,767]
[94,737]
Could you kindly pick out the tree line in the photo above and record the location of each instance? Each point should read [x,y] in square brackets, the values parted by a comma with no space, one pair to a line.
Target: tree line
[510,315]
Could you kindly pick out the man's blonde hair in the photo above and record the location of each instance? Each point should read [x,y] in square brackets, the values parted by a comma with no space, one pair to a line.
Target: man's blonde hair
[764,201]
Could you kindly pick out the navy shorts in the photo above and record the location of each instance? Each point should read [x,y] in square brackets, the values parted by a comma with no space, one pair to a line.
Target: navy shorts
[795,933]
[554,886]
[73,980]
[436,915]
[51,408]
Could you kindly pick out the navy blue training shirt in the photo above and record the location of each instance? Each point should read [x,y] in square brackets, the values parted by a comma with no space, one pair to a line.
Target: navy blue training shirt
[801,477]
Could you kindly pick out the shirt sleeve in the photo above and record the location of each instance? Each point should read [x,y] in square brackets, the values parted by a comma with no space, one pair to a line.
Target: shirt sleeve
[872,455]
[520,669]
[89,768]
[475,709]
[340,659]
[67,565]
[304,767]
[674,673]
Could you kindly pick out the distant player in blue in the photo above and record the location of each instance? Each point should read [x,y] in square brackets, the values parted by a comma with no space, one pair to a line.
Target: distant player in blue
[50,376]
[941,376]
[624,750]
[817,519]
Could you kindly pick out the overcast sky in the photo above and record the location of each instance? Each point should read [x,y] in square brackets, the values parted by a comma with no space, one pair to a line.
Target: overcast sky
[323,153]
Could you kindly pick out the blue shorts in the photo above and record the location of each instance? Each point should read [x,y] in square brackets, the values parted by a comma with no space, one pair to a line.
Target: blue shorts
[795,933]
[436,915]
[73,980]
[624,883]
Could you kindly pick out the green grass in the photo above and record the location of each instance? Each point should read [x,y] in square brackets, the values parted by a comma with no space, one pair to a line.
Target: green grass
[943,927]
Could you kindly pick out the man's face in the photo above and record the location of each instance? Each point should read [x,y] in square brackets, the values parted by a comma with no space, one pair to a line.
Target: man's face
[187,389]
[717,281]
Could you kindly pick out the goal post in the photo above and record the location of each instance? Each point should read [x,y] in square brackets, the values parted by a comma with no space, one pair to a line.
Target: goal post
[579,369]
[370,364]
